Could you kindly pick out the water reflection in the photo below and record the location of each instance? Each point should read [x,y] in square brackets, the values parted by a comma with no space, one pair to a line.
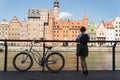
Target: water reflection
[97,60]
[100,60]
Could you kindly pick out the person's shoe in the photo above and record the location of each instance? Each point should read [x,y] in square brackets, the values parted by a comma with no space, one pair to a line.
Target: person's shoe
[85,72]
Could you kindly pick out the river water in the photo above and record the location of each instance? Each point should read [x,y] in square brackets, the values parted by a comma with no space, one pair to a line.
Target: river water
[97,60]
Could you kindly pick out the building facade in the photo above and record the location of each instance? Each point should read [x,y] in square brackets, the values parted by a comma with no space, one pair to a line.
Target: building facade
[68,29]
[109,31]
[116,24]
[4,30]
[56,29]
[101,31]
[92,32]
[14,31]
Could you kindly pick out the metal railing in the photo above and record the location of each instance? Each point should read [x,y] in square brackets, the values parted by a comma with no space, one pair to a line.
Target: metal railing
[45,41]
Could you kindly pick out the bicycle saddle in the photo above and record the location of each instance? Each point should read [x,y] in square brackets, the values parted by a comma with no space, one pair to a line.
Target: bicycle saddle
[48,47]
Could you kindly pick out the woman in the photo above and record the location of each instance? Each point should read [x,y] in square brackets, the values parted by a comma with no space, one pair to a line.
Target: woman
[83,38]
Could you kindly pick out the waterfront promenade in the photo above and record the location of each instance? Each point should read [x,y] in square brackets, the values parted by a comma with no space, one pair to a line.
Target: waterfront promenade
[63,75]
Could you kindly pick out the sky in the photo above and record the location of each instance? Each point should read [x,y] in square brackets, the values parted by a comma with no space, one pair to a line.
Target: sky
[97,10]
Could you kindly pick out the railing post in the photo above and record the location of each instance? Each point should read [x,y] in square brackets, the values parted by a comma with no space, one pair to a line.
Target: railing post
[43,67]
[5,60]
[113,56]
[77,63]
[77,58]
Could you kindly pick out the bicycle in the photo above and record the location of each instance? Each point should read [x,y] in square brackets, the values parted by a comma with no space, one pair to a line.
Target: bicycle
[54,61]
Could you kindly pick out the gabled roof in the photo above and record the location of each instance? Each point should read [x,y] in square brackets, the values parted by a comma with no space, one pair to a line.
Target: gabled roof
[100,24]
[108,25]
[15,19]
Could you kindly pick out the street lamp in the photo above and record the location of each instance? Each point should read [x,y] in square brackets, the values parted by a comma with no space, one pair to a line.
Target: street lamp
[45,24]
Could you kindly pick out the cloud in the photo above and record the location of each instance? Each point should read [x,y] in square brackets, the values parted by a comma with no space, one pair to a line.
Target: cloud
[64,15]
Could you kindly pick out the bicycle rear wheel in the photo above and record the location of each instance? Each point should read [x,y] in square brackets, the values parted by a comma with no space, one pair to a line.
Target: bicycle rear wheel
[55,62]
[22,62]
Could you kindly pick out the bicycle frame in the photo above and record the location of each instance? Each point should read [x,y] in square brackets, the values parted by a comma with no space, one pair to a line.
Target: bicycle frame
[34,53]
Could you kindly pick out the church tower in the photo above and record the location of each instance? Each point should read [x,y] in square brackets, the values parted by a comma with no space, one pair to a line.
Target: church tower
[85,21]
[56,9]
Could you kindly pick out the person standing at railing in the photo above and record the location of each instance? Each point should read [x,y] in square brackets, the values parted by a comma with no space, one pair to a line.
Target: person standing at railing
[82,49]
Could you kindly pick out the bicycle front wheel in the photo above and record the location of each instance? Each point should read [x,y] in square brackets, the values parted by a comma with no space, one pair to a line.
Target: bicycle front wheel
[55,62]
[22,62]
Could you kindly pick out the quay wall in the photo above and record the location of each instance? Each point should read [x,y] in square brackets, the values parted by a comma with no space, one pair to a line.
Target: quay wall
[64,48]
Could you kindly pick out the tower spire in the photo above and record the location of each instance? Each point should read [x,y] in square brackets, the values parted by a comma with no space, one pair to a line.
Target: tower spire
[56,9]
[56,3]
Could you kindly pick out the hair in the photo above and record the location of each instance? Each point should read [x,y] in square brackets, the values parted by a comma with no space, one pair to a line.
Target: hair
[82,29]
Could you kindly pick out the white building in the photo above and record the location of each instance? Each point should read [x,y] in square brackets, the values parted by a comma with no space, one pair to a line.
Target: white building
[109,31]
[116,25]
[110,36]
[101,31]
[105,31]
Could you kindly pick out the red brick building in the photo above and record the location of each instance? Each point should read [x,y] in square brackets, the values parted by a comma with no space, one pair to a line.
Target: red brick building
[65,29]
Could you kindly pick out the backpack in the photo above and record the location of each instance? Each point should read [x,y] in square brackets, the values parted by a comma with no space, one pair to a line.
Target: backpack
[84,38]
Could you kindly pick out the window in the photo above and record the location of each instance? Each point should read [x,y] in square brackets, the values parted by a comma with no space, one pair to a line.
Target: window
[91,29]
